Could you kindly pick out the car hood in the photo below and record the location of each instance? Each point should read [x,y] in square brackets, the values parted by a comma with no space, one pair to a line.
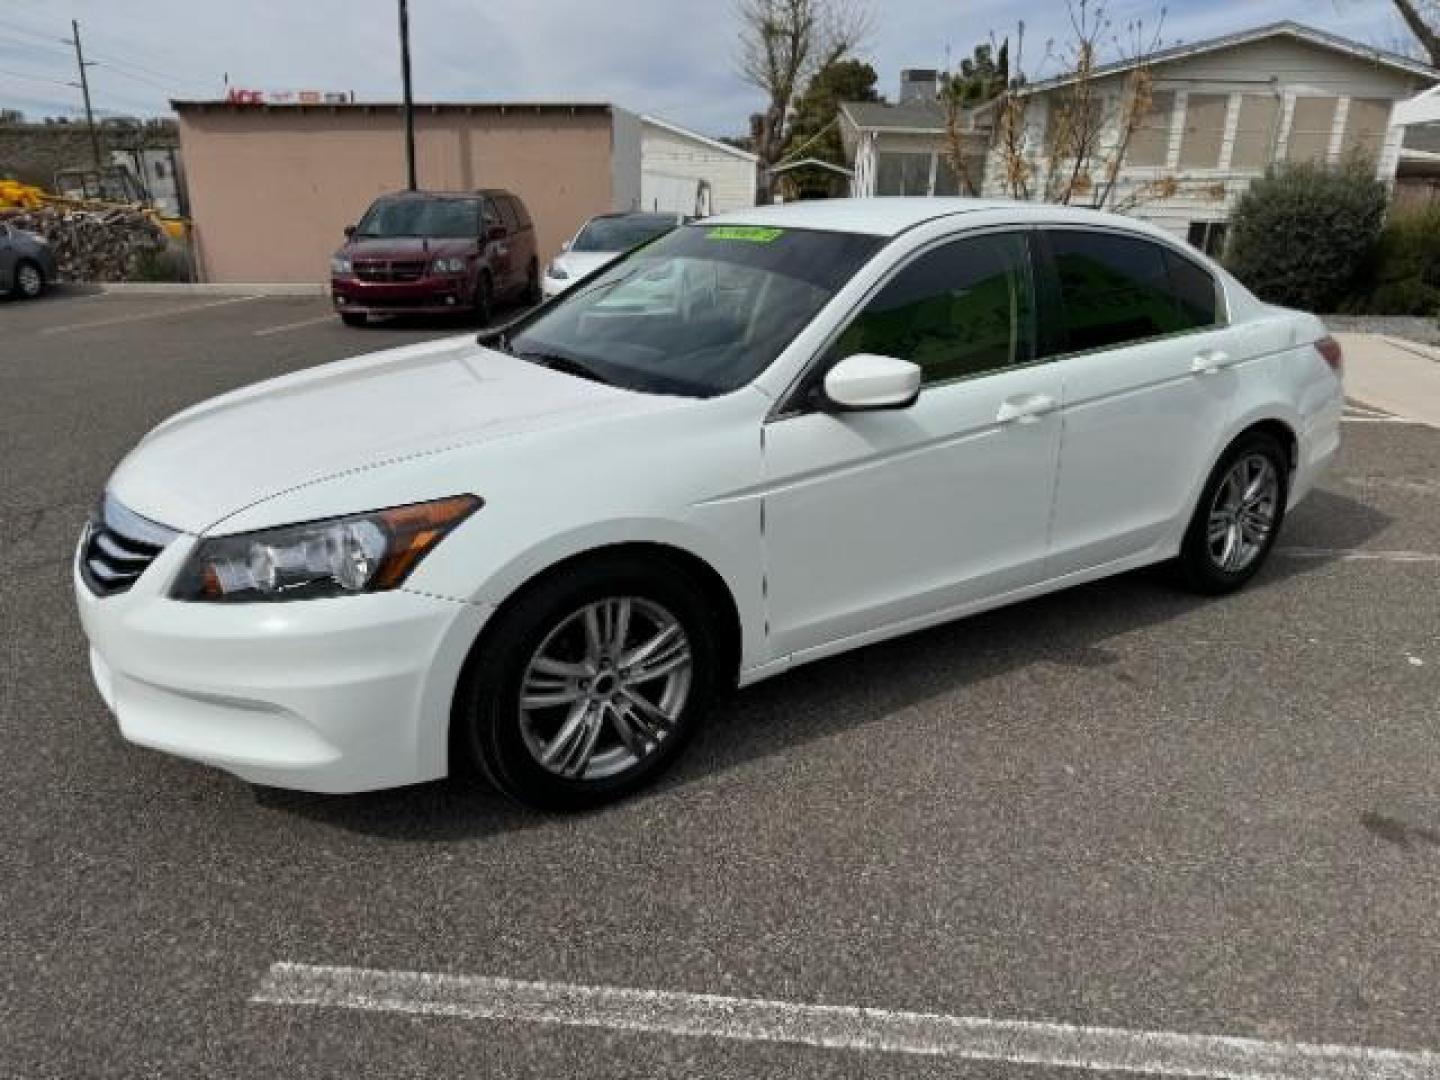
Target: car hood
[223,455]
[408,247]
[579,263]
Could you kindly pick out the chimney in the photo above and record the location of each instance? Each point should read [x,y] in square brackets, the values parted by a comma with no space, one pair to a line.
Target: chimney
[919,85]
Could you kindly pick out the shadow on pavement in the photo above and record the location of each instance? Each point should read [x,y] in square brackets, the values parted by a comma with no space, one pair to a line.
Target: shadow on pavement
[822,699]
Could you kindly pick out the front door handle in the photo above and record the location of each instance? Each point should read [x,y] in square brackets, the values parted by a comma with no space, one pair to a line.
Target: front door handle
[1208,363]
[1024,408]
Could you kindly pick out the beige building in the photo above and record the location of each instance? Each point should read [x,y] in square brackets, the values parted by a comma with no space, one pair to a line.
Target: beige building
[272,186]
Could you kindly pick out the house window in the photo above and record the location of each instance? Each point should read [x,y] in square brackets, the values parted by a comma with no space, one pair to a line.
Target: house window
[903,174]
[1365,127]
[1150,144]
[1204,131]
[1208,236]
[1311,127]
[1255,132]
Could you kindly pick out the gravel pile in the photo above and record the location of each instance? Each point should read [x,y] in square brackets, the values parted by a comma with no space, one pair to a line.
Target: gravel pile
[1425,331]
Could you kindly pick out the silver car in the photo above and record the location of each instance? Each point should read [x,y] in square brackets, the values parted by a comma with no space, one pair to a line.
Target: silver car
[27,265]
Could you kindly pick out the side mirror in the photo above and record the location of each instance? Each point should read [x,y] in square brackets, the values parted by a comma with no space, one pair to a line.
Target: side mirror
[865,381]
[565,246]
[349,232]
[495,232]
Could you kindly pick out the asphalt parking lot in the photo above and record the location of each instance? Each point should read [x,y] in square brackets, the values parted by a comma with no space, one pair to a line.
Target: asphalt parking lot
[1115,808]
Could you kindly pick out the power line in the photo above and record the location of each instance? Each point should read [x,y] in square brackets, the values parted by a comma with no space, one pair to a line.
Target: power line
[35,78]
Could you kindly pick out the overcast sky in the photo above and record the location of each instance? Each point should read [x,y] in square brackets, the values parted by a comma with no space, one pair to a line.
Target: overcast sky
[672,58]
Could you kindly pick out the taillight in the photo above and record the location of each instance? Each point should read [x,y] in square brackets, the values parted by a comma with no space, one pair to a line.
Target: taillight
[1329,348]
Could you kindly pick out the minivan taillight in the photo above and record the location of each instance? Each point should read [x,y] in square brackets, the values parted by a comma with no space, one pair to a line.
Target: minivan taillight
[1329,348]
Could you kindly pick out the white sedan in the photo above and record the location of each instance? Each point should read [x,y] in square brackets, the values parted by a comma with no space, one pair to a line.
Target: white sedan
[601,241]
[540,557]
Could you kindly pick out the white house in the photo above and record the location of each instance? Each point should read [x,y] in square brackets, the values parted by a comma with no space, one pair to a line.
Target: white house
[690,173]
[1222,111]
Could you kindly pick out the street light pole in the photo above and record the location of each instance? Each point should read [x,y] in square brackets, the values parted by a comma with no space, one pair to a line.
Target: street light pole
[409,103]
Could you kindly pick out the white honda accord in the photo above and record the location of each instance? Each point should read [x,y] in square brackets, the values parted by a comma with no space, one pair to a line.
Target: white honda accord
[760,440]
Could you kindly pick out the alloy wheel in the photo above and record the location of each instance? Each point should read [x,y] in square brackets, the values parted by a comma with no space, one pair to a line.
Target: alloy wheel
[1243,512]
[605,688]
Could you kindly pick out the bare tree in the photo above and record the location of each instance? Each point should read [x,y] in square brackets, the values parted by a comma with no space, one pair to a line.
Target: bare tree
[782,44]
[1089,128]
[1423,19]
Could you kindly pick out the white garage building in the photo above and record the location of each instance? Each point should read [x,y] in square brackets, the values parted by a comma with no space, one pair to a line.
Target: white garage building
[689,173]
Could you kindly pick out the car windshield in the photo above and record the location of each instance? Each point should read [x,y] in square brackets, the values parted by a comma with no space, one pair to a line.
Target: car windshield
[622,233]
[421,217]
[699,312]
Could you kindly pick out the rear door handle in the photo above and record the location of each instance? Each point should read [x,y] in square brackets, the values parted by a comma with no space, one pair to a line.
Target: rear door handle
[1208,363]
[1024,408]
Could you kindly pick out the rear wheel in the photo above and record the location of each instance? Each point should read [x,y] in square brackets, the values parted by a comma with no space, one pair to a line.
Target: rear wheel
[29,281]
[589,685]
[1238,517]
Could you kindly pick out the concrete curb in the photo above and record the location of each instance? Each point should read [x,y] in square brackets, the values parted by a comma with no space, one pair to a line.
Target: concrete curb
[183,288]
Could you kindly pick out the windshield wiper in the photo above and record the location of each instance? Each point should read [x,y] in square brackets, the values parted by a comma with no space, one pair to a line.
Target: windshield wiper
[567,364]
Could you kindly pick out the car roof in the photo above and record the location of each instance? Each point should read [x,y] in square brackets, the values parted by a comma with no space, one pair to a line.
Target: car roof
[890,215]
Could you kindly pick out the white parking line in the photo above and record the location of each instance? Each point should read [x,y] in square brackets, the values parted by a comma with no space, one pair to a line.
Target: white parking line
[835,1027]
[66,328]
[1381,420]
[1359,555]
[267,331]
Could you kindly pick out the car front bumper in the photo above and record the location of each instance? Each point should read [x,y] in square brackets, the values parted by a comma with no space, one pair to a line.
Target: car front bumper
[431,295]
[332,695]
[550,286]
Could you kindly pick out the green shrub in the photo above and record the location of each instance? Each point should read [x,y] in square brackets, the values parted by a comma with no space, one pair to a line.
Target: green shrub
[1301,234]
[1402,274]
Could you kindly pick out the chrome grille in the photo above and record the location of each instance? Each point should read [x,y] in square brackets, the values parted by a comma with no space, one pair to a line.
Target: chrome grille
[384,270]
[119,546]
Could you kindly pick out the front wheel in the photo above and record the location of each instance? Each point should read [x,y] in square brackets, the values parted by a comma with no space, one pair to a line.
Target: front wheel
[353,318]
[533,294]
[484,302]
[589,685]
[1238,517]
[29,281]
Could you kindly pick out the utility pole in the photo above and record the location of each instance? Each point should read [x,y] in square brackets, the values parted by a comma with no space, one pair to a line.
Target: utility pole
[409,104]
[85,89]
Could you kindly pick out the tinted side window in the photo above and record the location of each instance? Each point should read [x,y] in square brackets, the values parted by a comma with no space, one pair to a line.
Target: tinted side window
[1195,292]
[522,216]
[958,310]
[492,215]
[1113,290]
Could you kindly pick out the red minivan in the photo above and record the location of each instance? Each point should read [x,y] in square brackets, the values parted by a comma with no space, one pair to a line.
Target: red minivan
[428,252]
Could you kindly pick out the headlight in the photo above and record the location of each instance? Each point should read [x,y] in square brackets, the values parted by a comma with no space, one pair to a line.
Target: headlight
[558,272]
[452,265]
[338,557]
[339,264]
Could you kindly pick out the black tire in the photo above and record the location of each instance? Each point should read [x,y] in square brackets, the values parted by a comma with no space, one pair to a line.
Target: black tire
[484,304]
[532,294]
[354,318]
[1199,567]
[488,732]
[28,280]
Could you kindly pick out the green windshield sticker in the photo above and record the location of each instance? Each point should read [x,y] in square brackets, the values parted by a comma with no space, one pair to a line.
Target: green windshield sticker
[752,234]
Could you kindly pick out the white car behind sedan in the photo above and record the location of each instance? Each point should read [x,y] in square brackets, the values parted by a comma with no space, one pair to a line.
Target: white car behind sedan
[760,440]
[601,241]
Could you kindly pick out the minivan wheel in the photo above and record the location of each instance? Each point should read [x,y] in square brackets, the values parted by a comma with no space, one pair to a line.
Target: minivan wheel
[1238,517]
[29,281]
[589,685]
[484,301]
[354,318]
[533,294]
